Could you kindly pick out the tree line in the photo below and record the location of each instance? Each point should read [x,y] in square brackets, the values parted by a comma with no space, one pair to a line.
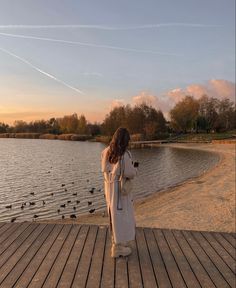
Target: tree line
[206,114]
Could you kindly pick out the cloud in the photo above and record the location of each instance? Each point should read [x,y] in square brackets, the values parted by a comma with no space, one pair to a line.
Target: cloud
[112,28]
[92,74]
[217,88]
[117,103]
[157,102]
[88,44]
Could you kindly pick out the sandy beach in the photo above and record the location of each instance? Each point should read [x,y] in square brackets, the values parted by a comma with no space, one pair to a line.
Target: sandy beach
[205,203]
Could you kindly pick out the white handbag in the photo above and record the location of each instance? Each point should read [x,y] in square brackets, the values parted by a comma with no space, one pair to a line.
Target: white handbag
[126,184]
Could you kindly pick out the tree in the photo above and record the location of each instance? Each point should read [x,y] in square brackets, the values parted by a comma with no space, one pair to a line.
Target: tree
[184,114]
[82,125]
[4,127]
[69,123]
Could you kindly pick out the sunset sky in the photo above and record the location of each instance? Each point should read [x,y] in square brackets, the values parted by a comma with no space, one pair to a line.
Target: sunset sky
[61,57]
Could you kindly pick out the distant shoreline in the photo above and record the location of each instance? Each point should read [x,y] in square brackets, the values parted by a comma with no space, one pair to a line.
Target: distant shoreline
[106,139]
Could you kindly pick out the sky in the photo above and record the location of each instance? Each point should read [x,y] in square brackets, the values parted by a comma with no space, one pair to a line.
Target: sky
[86,57]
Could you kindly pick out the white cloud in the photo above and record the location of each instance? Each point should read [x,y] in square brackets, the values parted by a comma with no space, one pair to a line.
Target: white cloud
[217,88]
[117,103]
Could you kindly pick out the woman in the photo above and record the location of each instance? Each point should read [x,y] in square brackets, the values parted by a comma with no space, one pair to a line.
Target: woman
[117,167]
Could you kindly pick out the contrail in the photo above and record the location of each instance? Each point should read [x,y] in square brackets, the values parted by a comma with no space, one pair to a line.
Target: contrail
[89,44]
[40,70]
[112,28]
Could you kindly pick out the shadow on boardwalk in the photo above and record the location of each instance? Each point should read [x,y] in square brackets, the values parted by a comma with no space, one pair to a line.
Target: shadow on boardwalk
[57,255]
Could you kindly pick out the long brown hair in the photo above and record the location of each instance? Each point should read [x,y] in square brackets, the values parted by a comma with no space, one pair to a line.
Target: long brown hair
[118,144]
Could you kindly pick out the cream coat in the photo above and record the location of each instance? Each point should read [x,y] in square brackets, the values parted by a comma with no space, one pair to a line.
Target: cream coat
[120,208]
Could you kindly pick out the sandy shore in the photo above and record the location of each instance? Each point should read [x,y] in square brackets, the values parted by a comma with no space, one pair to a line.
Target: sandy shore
[205,203]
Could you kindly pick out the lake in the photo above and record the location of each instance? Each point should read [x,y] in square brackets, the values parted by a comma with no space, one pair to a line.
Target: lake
[50,173]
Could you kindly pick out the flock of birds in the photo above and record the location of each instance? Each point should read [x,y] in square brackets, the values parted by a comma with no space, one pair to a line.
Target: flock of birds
[63,205]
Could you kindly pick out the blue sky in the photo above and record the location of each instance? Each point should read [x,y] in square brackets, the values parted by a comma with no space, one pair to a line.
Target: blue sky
[123,49]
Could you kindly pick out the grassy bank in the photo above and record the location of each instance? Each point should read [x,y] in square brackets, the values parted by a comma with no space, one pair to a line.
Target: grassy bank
[70,137]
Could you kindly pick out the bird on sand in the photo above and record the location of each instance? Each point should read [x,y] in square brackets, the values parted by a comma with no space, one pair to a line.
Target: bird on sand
[90,203]
[8,206]
[72,216]
[63,205]
[13,219]
[91,211]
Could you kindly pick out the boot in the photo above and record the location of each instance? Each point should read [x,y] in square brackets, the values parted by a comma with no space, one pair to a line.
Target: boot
[118,250]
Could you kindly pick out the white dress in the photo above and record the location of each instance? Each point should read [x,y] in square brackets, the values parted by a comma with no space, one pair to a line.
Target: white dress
[120,207]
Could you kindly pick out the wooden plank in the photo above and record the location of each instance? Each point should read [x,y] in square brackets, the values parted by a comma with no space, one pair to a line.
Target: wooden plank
[11,235]
[24,260]
[16,244]
[11,262]
[157,261]
[74,258]
[108,271]
[134,271]
[230,239]
[213,272]
[41,275]
[228,247]
[33,266]
[215,258]
[7,230]
[196,266]
[2,224]
[60,262]
[173,270]
[186,271]
[148,275]
[4,229]
[121,276]
[84,264]
[95,272]
[221,251]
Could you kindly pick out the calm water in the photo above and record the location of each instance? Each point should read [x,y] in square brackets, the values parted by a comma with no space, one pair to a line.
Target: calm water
[65,168]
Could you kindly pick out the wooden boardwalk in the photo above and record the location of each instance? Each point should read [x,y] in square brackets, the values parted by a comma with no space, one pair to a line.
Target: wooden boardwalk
[56,255]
